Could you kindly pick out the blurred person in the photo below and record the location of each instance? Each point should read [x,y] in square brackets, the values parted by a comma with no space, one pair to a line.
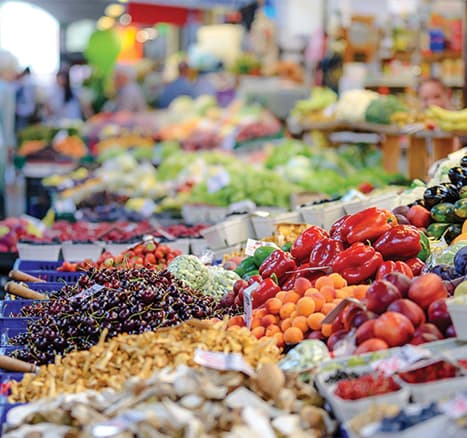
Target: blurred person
[203,85]
[181,86]
[8,72]
[432,91]
[26,105]
[62,102]
[129,94]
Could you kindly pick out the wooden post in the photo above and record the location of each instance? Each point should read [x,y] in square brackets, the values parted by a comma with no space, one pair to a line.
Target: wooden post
[442,147]
[417,157]
[391,153]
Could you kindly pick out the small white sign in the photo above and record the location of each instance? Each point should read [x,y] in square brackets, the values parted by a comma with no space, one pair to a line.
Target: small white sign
[222,361]
[252,245]
[248,303]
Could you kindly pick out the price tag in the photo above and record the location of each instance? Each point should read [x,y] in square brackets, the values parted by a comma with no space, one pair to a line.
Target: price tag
[222,361]
[248,303]
[406,356]
[88,292]
[252,245]
[218,181]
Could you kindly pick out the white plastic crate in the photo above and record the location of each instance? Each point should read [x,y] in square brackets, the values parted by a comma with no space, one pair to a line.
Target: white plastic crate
[77,252]
[116,248]
[46,252]
[265,226]
[386,200]
[228,233]
[458,312]
[195,214]
[198,246]
[221,252]
[216,214]
[323,215]
[183,245]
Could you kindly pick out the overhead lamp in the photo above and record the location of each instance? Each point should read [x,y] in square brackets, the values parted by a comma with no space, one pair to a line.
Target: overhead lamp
[105,23]
[125,19]
[114,10]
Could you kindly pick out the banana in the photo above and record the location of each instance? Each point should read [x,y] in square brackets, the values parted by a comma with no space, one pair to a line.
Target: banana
[444,114]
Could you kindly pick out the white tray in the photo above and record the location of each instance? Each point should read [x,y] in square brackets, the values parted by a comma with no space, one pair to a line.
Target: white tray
[46,252]
[198,246]
[265,226]
[386,200]
[195,214]
[77,252]
[228,233]
[323,215]
[458,314]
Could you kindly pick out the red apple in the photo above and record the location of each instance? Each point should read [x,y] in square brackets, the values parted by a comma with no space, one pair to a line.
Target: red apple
[365,331]
[337,324]
[438,314]
[372,344]
[426,289]
[426,333]
[409,309]
[361,317]
[336,337]
[401,281]
[349,314]
[380,294]
[450,332]
[394,328]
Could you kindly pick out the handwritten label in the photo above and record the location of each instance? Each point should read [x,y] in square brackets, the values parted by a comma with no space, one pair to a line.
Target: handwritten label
[88,292]
[218,181]
[248,303]
[222,361]
[252,245]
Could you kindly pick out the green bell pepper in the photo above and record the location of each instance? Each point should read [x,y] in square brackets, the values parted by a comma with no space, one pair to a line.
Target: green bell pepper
[262,253]
[425,244]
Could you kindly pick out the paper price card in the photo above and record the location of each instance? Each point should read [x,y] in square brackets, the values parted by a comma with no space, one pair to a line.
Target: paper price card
[88,292]
[222,361]
[252,245]
[248,303]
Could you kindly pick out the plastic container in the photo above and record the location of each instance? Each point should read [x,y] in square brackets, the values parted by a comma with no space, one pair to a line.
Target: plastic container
[77,252]
[265,226]
[228,233]
[458,314]
[46,288]
[385,200]
[11,307]
[9,349]
[57,276]
[220,253]
[6,377]
[323,215]
[5,408]
[195,214]
[33,265]
[216,214]
[183,245]
[43,252]
[11,327]
[198,246]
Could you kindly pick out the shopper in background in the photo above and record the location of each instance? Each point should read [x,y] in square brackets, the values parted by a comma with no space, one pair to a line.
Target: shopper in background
[26,104]
[8,72]
[182,86]
[63,103]
[203,85]
[433,92]
[129,94]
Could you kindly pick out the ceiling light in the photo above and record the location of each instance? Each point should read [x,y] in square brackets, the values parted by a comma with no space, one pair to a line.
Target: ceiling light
[114,10]
[105,23]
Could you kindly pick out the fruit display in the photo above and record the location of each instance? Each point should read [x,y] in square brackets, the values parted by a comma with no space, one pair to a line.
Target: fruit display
[353,104]
[430,373]
[447,120]
[200,402]
[367,385]
[111,302]
[382,109]
[140,356]
[312,109]
[12,230]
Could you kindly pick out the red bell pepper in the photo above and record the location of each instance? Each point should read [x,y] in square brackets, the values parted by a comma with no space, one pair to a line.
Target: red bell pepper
[416,265]
[325,251]
[368,225]
[337,229]
[401,242]
[391,266]
[278,263]
[266,289]
[357,263]
[302,247]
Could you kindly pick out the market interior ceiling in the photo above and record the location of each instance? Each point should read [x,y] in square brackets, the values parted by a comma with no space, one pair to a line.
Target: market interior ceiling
[66,11]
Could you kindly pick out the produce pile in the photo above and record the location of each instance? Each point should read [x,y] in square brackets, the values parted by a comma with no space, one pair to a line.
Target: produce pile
[109,364]
[118,301]
[187,402]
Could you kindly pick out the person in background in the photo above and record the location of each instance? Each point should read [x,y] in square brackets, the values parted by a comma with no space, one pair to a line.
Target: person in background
[129,94]
[203,85]
[182,86]
[432,91]
[8,72]
[63,103]
[26,105]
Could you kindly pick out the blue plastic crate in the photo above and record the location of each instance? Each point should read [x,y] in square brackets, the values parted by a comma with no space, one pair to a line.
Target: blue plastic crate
[5,408]
[11,327]
[6,377]
[36,265]
[56,276]
[46,288]
[9,307]
[7,350]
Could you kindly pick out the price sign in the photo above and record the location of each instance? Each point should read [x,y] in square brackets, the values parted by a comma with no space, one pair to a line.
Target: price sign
[222,361]
[248,303]
[88,292]
[252,245]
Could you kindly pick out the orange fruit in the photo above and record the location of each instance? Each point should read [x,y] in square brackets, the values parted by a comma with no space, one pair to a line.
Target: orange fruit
[258,332]
[294,314]
[237,321]
[281,295]
[326,329]
[300,322]
[328,293]
[259,313]
[272,330]
[268,320]
[255,322]
[301,285]
[319,300]
[315,320]
[286,310]
[309,292]
[324,281]
[273,305]
[359,291]
[327,308]
[338,281]
[293,335]
[279,338]
[337,300]
[305,306]
[285,324]
[292,297]
[344,292]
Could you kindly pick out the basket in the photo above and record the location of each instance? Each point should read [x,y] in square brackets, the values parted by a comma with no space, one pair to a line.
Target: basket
[387,201]
[11,327]
[265,226]
[323,215]
[77,252]
[11,307]
[6,377]
[56,276]
[195,214]
[46,288]
[36,265]
[228,233]
[48,252]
